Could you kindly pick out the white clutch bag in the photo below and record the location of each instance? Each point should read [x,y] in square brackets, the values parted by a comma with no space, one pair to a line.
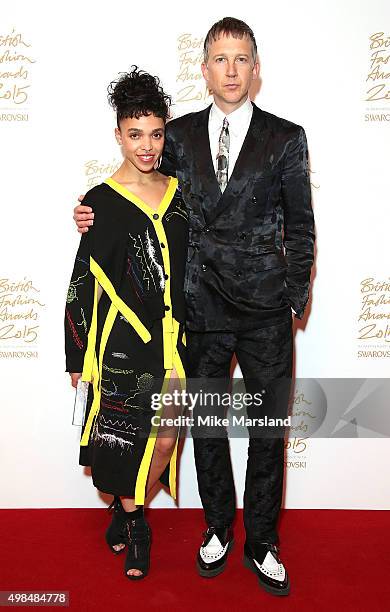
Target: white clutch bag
[80,402]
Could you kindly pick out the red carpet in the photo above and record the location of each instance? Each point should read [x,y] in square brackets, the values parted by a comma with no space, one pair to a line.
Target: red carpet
[337,560]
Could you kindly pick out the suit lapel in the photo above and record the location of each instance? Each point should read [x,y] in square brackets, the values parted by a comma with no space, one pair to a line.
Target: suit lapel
[247,165]
[205,182]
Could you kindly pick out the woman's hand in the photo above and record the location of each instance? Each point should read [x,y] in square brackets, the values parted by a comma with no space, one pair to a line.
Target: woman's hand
[75,376]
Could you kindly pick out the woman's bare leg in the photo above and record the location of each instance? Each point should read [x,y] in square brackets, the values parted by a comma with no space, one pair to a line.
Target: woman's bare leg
[162,453]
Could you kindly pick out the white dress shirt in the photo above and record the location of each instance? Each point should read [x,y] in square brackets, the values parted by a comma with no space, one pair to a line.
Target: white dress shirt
[239,121]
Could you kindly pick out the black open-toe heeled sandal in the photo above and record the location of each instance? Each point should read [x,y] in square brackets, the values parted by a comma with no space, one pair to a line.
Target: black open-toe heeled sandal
[116,532]
[138,552]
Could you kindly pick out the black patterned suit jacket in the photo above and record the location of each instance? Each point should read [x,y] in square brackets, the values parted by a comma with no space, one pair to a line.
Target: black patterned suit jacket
[250,248]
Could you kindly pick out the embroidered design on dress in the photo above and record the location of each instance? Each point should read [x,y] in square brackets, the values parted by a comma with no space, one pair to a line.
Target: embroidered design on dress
[114,433]
[72,291]
[145,256]
[110,389]
[121,355]
[76,338]
[152,254]
[83,321]
[177,211]
[106,391]
[139,253]
[144,383]
[133,276]
[116,370]
[82,261]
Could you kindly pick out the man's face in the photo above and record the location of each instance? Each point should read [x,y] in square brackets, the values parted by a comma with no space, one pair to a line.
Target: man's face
[229,71]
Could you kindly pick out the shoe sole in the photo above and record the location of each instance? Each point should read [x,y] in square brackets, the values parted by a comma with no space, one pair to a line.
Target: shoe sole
[214,572]
[279,592]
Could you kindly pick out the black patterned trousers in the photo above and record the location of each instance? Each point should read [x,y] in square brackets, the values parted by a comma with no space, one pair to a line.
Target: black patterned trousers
[265,358]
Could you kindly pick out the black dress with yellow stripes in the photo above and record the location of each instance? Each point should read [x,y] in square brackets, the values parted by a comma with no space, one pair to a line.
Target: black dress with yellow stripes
[124,331]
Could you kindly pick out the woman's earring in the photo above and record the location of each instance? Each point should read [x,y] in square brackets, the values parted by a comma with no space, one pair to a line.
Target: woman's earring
[158,163]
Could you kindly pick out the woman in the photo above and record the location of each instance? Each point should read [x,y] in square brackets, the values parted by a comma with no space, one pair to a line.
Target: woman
[125,314]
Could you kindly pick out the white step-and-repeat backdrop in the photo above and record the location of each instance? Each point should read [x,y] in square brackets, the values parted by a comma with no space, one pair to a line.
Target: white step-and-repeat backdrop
[324,65]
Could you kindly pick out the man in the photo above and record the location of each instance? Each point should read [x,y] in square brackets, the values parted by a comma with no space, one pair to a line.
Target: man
[245,180]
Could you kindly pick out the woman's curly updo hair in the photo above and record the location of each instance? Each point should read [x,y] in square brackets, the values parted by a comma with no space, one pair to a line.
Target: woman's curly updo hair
[136,94]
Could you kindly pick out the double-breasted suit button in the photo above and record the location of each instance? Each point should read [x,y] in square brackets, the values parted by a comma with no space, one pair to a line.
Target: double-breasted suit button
[238,273]
[206,229]
[254,200]
[243,235]
[204,267]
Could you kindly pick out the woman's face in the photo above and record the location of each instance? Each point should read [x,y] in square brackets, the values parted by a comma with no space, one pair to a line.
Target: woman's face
[142,140]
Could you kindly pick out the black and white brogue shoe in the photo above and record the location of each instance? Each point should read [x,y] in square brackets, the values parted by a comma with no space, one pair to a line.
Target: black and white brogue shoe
[263,560]
[213,553]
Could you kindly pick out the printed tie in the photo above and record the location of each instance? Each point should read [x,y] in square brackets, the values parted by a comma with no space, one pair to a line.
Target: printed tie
[223,156]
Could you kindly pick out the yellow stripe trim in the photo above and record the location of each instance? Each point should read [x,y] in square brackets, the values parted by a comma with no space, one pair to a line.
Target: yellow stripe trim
[90,352]
[173,461]
[129,314]
[143,471]
[108,324]
[148,210]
